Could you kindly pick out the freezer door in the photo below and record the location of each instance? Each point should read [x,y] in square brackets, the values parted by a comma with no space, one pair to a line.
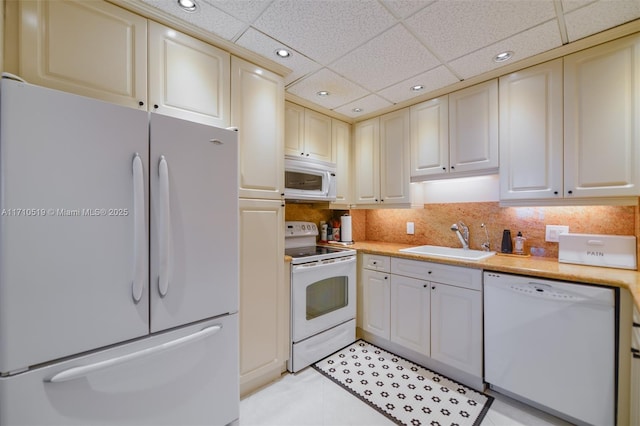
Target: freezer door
[187,376]
[194,222]
[74,217]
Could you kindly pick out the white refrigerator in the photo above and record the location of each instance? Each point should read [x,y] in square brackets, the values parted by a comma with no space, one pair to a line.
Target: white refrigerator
[118,264]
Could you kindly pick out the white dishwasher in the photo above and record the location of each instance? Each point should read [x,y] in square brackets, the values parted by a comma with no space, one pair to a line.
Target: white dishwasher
[552,344]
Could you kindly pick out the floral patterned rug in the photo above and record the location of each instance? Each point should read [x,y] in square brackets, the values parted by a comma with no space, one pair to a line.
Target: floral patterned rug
[403,391]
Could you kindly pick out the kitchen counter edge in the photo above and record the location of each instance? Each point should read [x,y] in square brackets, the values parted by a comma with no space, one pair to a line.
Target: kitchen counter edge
[540,267]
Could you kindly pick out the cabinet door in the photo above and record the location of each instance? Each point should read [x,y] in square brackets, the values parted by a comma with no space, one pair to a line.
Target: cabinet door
[341,155]
[602,129]
[473,128]
[188,78]
[531,138]
[264,313]
[456,327]
[410,313]
[430,137]
[317,135]
[294,129]
[367,162]
[394,158]
[90,48]
[258,113]
[376,303]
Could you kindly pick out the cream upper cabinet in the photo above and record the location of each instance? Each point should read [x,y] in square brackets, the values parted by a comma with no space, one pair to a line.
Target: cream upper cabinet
[258,112]
[341,156]
[430,138]
[473,129]
[394,158]
[90,48]
[188,78]
[264,305]
[307,133]
[381,162]
[367,162]
[531,133]
[602,128]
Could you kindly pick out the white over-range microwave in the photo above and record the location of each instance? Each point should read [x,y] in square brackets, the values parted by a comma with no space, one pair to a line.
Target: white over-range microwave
[309,180]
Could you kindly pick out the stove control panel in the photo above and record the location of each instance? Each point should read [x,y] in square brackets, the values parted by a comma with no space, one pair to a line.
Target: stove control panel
[300,229]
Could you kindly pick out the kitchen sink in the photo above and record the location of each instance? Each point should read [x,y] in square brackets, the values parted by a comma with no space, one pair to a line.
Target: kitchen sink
[450,252]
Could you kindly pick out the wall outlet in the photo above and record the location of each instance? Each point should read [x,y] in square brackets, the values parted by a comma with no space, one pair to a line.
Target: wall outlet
[553,231]
[411,228]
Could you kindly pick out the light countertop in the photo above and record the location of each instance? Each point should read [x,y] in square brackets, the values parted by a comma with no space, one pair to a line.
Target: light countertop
[532,266]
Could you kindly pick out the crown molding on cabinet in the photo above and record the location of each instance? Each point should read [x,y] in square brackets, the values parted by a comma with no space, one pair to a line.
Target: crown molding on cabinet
[305,103]
[164,18]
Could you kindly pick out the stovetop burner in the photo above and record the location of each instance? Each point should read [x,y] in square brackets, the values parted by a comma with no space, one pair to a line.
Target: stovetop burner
[299,252]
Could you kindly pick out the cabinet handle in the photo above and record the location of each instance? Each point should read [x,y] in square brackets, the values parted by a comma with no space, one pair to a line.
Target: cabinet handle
[424,285]
[376,200]
[381,200]
[453,167]
[444,168]
[386,277]
[374,262]
[155,106]
[433,288]
[555,192]
[307,155]
[140,103]
[570,192]
[429,272]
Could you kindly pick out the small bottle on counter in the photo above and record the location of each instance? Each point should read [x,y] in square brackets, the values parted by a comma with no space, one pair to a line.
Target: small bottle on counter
[323,231]
[329,232]
[519,245]
[506,246]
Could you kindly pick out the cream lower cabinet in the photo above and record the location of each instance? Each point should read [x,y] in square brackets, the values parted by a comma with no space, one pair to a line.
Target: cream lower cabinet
[376,302]
[433,309]
[601,125]
[91,48]
[188,78]
[264,306]
[257,111]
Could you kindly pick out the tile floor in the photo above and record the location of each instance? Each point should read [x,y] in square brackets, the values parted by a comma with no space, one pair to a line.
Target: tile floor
[310,399]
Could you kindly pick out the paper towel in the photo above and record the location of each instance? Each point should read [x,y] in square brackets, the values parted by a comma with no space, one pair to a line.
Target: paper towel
[345,229]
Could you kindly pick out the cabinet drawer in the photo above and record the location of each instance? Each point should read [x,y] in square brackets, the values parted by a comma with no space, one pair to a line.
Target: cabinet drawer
[376,263]
[453,275]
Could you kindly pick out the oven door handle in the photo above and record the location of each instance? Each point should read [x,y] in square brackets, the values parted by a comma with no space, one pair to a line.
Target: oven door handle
[327,263]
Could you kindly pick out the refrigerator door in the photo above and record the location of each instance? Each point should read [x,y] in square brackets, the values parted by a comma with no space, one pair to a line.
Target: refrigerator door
[187,376]
[194,222]
[74,218]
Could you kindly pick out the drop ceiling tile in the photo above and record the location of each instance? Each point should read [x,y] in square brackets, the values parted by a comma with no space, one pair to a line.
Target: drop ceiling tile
[207,18]
[324,30]
[342,91]
[434,79]
[266,46]
[393,56]
[569,5]
[246,10]
[454,28]
[405,8]
[536,40]
[368,104]
[600,16]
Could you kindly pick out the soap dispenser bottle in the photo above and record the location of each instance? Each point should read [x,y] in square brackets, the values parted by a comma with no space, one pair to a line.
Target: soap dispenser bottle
[507,246]
[519,245]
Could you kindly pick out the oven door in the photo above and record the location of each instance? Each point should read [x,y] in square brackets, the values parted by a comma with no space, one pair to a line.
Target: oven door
[323,295]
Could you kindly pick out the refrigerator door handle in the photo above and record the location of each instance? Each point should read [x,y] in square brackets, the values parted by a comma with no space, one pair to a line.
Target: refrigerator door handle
[139,237]
[84,370]
[165,227]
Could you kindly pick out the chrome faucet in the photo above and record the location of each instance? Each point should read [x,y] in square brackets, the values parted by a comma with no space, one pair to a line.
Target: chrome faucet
[486,246]
[462,236]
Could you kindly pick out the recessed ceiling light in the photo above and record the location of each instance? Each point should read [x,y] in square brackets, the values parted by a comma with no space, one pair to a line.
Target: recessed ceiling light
[323,93]
[188,5]
[504,56]
[357,110]
[417,88]
[283,53]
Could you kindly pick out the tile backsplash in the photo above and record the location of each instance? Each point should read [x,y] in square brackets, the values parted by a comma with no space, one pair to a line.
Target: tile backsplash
[433,223]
